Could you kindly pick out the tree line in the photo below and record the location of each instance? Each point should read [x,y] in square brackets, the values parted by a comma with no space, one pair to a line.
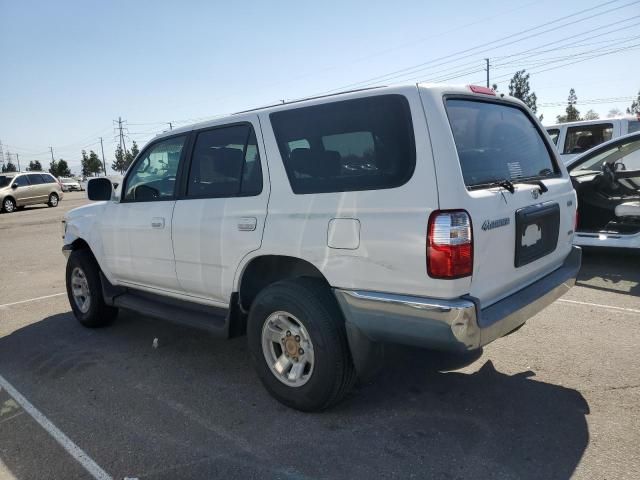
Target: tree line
[90,164]
[520,87]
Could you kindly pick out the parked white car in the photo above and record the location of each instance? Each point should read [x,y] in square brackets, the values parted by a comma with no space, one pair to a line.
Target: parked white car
[607,180]
[574,138]
[431,216]
[70,184]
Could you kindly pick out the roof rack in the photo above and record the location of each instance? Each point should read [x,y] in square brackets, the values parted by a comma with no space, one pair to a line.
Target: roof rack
[308,98]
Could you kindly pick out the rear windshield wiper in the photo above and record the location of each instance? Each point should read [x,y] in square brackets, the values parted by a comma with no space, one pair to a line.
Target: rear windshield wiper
[504,183]
[539,183]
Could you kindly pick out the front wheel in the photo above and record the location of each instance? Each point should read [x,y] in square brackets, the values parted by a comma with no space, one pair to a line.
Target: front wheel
[53,200]
[84,290]
[8,205]
[298,344]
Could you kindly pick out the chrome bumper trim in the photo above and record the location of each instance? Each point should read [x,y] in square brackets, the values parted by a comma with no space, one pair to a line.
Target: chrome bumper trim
[452,324]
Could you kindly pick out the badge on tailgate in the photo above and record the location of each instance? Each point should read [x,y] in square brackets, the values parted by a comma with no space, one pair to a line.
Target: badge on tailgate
[531,235]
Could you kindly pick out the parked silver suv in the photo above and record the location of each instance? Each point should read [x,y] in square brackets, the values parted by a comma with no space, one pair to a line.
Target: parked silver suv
[20,189]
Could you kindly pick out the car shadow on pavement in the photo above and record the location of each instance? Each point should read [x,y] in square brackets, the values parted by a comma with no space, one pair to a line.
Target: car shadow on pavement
[193,408]
[610,270]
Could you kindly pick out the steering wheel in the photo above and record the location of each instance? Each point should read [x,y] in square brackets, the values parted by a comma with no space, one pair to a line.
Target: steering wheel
[607,177]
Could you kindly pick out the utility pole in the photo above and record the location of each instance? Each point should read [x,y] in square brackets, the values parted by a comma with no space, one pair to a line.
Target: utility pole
[487,69]
[1,155]
[104,163]
[170,126]
[51,150]
[18,160]
[123,146]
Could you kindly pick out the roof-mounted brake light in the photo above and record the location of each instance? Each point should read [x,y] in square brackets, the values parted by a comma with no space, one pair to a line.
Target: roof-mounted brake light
[483,90]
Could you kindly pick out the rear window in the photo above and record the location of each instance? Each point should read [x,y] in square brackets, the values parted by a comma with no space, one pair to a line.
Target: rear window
[580,139]
[361,144]
[554,133]
[497,142]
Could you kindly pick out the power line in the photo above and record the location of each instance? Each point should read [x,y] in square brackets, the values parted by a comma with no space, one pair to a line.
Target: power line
[466,52]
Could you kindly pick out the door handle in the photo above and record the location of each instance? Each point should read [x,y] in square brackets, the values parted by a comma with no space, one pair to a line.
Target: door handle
[247,224]
[157,222]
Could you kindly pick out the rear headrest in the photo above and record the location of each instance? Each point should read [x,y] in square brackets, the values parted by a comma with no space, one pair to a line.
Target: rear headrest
[228,162]
[316,163]
[585,142]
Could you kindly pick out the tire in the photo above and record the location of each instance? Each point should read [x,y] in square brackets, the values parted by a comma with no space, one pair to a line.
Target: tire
[83,281]
[53,200]
[8,205]
[328,372]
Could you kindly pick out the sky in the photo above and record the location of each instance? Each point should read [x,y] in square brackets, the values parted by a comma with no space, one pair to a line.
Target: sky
[68,69]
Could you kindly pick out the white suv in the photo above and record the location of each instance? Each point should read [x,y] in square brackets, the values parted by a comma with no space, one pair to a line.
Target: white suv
[420,215]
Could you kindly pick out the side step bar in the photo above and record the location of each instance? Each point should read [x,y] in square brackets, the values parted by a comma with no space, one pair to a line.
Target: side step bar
[202,317]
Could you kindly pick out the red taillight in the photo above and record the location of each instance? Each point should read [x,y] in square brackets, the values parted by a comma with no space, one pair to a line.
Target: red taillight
[449,245]
[483,90]
[576,221]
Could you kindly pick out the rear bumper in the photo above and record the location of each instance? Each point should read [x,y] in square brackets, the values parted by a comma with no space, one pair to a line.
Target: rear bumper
[454,325]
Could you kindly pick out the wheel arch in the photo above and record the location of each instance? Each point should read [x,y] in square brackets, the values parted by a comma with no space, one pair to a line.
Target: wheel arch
[264,270]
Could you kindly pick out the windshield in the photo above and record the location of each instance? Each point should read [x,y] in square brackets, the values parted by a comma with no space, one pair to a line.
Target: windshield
[68,180]
[497,142]
[627,154]
[4,180]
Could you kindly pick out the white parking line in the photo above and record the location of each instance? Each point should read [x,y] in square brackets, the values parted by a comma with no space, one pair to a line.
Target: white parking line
[610,307]
[75,451]
[32,299]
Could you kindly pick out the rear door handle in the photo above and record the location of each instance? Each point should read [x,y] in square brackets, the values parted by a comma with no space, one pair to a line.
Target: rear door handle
[157,222]
[247,224]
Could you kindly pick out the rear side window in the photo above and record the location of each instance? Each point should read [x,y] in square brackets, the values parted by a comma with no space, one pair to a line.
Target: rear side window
[36,179]
[581,139]
[634,126]
[554,133]
[225,163]
[361,144]
[48,178]
[497,142]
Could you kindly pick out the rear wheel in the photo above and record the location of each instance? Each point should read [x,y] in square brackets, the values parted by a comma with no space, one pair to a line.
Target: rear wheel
[8,205]
[298,344]
[84,290]
[53,200]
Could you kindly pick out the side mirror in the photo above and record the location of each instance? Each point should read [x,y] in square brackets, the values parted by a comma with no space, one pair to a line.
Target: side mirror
[14,186]
[99,189]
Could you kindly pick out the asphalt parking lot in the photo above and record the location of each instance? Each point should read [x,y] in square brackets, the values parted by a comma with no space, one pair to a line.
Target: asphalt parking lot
[560,398]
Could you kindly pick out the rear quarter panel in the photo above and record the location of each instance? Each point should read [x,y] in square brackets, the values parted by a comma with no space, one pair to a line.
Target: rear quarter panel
[391,253]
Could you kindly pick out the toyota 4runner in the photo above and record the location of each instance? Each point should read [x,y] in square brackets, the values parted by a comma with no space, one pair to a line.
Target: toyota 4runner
[432,216]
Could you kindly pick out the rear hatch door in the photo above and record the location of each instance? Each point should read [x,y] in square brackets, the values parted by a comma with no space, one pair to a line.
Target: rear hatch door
[490,156]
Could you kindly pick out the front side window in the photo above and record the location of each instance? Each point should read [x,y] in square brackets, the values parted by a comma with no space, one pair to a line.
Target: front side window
[361,144]
[21,181]
[153,177]
[36,179]
[225,163]
[497,141]
[554,133]
[581,139]
[4,180]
